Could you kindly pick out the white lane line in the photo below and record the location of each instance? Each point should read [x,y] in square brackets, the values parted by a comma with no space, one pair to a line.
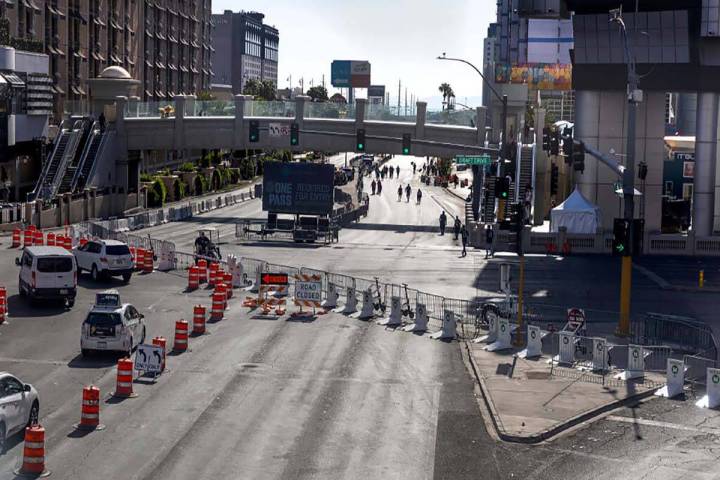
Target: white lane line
[655,423]
[32,361]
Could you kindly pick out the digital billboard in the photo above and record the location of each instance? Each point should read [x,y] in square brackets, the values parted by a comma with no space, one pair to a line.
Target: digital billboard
[298,188]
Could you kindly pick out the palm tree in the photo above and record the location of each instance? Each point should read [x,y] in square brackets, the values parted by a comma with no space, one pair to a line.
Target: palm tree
[446,90]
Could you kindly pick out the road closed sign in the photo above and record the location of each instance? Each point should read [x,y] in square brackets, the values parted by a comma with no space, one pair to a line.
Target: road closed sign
[148,358]
[308,291]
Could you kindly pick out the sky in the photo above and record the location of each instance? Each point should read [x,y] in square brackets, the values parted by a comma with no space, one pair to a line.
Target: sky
[400,38]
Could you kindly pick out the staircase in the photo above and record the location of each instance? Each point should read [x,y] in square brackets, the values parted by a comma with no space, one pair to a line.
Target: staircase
[76,174]
[487,209]
[525,172]
[52,165]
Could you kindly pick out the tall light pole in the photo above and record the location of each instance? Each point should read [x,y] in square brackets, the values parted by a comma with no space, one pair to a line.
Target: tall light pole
[503,152]
[634,96]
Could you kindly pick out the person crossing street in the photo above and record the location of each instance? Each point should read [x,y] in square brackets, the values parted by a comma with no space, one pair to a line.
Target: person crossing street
[464,238]
[407,193]
[400,193]
[419,196]
[456,227]
[372,186]
[443,222]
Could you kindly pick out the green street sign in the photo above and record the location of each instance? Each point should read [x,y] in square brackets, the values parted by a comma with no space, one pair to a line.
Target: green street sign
[473,159]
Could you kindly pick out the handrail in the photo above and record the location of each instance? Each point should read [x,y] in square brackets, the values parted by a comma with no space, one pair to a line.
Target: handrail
[84,154]
[101,149]
[68,155]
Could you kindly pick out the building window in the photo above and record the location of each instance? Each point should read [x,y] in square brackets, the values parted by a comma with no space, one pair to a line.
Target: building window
[669,188]
[687,191]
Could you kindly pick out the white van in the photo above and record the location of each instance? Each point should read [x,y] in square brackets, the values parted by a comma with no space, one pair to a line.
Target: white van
[48,273]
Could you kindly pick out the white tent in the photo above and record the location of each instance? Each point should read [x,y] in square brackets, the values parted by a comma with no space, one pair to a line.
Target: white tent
[576,214]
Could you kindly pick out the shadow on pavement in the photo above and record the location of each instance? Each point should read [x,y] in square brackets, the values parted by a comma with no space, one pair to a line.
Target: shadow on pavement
[98,360]
[20,307]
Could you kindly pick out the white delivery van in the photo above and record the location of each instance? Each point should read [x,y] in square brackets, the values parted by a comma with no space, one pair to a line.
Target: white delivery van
[47,273]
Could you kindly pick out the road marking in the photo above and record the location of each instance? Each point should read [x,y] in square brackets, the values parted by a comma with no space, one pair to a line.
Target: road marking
[655,423]
[31,361]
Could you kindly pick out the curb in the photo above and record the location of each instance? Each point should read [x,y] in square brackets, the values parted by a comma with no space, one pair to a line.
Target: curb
[454,193]
[554,430]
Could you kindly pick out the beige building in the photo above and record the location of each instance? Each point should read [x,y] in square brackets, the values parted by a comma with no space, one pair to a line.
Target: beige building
[166,44]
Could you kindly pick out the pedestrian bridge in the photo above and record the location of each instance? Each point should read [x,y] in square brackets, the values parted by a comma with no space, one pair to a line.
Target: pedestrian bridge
[187,124]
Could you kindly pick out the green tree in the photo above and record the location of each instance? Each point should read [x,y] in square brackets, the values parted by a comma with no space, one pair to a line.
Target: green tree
[318,93]
[447,93]
[260,89]
[205,96]
[338,98]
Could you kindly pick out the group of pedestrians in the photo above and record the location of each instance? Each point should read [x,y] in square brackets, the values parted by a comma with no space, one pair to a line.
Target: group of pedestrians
[459,230]
[381,173]
[408,191]
[376,186]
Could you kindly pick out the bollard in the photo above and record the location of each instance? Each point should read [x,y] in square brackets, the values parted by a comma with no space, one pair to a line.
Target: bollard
[90,411]
[124,387]
[198,320]
[181,336]
[162,343]
[34,453]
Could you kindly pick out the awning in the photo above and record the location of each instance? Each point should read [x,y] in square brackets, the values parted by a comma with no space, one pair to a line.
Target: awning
[13,80]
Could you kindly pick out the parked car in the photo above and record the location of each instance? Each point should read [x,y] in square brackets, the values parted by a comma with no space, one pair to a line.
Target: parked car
[112,326]
[105,258]
[48,273]
[19,407]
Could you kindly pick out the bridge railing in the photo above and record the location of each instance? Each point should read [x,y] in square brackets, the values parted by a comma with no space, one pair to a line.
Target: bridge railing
[329,110]
[257,108]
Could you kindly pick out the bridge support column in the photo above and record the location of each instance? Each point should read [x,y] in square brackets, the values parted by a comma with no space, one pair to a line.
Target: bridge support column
[706,150]
[476,170]
[179,131]
[238,139]
[121,163]
[420,120]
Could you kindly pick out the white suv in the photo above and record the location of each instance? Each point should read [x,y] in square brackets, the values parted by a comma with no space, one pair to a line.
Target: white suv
[112,326]
[104,258]
[19,406]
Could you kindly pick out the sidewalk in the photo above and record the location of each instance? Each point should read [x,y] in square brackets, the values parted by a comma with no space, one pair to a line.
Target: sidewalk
[535,405]
[461,192]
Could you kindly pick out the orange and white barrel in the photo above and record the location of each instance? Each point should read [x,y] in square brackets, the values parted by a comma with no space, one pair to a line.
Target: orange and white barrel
[38,238]
[34,452]
[50,239]
[181,336]
[218,305]
[148,265]
[16,238]
[198,320]
[193,278]
[202,270]
[90,411]
[124,386]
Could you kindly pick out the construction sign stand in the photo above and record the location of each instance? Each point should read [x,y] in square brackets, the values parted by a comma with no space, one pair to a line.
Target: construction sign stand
[308,293]
[275,284]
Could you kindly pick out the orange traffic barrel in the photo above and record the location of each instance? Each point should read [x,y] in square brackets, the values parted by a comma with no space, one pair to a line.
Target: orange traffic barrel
[90,411]
[34,453]
[198,320]
[162,343]
[16,237]
[50,239]
[181,336]
[27,238]
[202,270]
[139,258]
[227,279]
[193,278]
[148,264]
[38,238]
[83,241]
[221,288]
[3,304]
[212,278]
[124,386]
[218,305]
[67,242]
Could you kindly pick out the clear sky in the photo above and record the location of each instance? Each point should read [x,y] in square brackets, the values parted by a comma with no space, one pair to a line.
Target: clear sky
[400,38]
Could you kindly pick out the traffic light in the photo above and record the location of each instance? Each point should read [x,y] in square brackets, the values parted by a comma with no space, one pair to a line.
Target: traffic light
[621,237]
[254,134]
[294,134]
[546,139]
[502,188]
[555,143]
[554,177]
[360,140]
[578,156]
[407,140]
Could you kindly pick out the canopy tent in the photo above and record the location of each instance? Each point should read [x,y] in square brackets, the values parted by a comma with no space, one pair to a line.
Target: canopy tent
[576,214]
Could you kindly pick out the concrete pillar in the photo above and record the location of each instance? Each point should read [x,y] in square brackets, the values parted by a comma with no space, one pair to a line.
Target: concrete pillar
[420,120]
[542,173]
[93,202]
[587,128]
[86,204]
[477,186]
[121,166]
[190,105]
[300,102]
[179,130]
[706,149]
[360,105]
[238,130]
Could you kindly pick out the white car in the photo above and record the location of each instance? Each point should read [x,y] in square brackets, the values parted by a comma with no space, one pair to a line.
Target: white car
[19,406]
[104,258]
[112,326]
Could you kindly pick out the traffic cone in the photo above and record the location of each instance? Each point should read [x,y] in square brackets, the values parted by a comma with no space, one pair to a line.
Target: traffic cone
[34,453]
[124,388]
[90,411]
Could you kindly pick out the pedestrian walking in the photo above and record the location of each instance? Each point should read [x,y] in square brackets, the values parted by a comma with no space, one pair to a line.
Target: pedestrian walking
[443,222]
[391,172]
[397,171]
[414,167]
[464,238]
[372,186]
[489,238]
[379,187]
[400,193]
[456,227]
[407,193]
[419,196]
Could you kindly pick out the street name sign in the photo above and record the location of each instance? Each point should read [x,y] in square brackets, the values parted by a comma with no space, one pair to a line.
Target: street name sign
[473,159]
[148,358]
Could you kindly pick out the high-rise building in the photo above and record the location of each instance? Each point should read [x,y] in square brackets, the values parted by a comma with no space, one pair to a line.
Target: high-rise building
[246,48]
[166,44]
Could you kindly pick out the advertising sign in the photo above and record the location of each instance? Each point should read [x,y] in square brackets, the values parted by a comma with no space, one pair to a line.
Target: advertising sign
[376,91]
[350,73]
[537,76]
[298,188]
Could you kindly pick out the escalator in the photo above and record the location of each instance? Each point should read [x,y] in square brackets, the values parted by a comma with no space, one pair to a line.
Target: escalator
[63,153]
[76,174]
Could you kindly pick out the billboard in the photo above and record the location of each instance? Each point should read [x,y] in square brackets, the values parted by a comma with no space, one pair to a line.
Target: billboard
[537,76]
[350,73]
[298,188]
[376,91]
